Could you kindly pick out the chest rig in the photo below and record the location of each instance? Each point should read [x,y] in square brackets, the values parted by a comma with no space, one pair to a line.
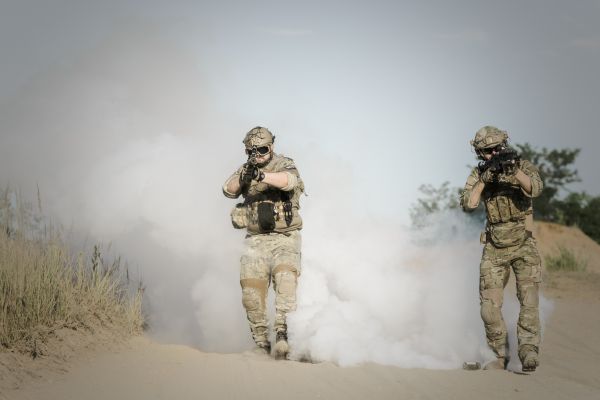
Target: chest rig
[506,203]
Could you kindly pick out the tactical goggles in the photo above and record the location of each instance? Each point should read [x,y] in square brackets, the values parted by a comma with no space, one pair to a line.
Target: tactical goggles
[262,150]
[490,150]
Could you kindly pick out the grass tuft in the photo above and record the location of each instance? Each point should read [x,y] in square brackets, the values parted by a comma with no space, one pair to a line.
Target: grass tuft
[45,286]
[565,260]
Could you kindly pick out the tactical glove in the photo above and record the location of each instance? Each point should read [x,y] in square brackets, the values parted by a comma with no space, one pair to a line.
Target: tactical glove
[251,172]
[509,168]
[509,179]
[488,176]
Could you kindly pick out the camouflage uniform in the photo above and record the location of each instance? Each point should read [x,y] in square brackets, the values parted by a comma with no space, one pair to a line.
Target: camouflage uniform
[508,243]
[273,255]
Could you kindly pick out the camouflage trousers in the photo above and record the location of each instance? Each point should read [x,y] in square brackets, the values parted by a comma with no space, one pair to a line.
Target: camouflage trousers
[273,257]
[494,273]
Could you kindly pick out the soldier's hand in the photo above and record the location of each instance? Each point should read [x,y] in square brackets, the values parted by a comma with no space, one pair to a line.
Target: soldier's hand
[251,172]
[246,175]
[488,176]
[508,179]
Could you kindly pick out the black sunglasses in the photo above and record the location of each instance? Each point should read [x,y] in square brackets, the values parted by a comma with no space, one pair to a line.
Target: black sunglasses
[262,150]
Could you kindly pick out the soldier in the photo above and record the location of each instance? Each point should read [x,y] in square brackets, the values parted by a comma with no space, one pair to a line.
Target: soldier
[271,187]
[507,185]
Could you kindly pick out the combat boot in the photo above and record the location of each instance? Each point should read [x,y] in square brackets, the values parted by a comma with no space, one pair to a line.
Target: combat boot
[281,346]
[498,364]
[263,348]
[529,358]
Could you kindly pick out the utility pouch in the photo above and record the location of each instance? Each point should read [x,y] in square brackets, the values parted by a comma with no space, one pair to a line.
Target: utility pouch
[239,216]
[507,234]
[266,216]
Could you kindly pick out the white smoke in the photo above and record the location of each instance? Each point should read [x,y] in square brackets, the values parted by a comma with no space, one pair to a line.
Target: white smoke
[368,292]
[378,292]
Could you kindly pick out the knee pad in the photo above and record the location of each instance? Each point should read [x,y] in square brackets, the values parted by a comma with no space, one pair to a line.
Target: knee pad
[285,277]
[490,313]
[254,293]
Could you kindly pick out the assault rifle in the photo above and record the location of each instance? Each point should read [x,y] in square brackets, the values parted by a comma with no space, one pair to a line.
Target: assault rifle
[245,178]
[503,161]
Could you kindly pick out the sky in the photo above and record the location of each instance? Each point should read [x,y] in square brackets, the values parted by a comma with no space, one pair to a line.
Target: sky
[394,88]
[129,115]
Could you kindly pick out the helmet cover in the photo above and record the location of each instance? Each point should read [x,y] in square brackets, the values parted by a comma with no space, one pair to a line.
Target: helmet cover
[488,137]
[258,136]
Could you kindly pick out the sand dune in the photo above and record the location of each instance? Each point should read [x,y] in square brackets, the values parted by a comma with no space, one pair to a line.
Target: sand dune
[143,369]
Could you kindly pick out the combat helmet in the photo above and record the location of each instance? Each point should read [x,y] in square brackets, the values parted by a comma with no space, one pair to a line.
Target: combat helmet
[258,136]
[489,137]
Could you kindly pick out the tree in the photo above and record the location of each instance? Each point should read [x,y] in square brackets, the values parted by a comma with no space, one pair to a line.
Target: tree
[590,219]
[437,199]
[557,171]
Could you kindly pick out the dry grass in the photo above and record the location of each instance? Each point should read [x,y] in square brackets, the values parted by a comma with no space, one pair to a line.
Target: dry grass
[565,260]
[45,286]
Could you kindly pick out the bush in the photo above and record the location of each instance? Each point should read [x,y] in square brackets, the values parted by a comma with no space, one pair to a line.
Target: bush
[44,286]
[565,260]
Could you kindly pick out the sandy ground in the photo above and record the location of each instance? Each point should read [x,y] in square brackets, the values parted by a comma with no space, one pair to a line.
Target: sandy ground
[143,369]
[147,370]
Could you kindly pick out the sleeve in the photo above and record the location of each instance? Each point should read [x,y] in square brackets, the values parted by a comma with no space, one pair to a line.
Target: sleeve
[289,167]
[537,185]
[236,176]
[468,189]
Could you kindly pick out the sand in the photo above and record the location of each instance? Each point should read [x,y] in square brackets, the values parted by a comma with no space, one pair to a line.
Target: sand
[143,369]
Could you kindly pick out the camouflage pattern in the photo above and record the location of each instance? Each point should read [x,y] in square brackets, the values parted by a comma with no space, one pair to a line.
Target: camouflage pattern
[508,244]
[507,205]
[258,136]
[487,137]
[493,275]
[269,258]
[245,215]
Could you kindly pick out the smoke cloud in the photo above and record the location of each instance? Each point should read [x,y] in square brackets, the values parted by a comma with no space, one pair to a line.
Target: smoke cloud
[127,149]
[372,291]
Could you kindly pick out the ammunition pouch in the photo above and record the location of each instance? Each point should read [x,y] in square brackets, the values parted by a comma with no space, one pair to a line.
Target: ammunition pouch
[508,205]
[266,216]
[239,216]
[271,216]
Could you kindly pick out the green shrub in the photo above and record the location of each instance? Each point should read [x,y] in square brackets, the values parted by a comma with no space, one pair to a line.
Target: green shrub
[565,260]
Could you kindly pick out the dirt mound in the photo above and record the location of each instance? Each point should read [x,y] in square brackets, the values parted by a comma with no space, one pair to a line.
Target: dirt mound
[551,236]
[562,284]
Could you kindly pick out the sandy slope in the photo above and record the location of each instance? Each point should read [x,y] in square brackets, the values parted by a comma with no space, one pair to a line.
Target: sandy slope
[146,370]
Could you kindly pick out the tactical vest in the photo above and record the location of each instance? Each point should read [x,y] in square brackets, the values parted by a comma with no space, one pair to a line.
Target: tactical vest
[265,208]
[507,208]
[505,203]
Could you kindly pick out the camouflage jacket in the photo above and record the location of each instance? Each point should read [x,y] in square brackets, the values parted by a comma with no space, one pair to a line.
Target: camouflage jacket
[245,215]
[507,205]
